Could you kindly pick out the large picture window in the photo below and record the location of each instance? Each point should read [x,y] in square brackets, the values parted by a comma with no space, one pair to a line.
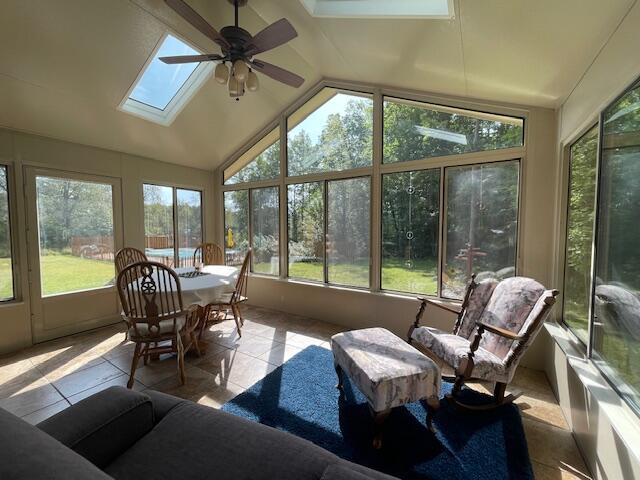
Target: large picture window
[358,215]
[410,221]
[332,132]
[414,130]
[305,211]
[579,241]
[482,224]
[75,227]
[616,325]
[6,261]
[172,224]
[347,244]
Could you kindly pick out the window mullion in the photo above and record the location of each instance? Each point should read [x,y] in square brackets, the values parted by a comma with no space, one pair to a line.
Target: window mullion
[375,234]
[176,257]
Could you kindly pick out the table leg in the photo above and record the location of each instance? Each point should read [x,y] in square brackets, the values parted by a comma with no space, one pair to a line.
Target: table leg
[378,426]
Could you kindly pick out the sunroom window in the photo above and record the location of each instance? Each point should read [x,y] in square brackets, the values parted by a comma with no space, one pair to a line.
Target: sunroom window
[162,90]
[419,228]
[260,162]
[414,131]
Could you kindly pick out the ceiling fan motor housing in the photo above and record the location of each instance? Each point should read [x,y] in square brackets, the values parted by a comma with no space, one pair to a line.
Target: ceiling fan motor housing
[238,39]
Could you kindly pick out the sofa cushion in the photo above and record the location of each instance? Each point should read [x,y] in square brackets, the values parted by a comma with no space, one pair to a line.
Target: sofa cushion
[194,441]
[104,425]
[27,452]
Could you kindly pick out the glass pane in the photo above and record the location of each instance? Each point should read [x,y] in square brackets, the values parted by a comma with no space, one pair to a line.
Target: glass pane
[305,211]
[414,130]
[482,224]
[616,328]
[333,131]
[348,231]
[264,230]
[260,162]
[236,226]
[158,224]
[75,225]
[580,219]
[6,266]
[410,217]
[189,224]
[160,82]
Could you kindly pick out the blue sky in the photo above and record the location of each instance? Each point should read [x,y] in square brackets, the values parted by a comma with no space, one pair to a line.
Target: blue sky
[160,82]
[315,122]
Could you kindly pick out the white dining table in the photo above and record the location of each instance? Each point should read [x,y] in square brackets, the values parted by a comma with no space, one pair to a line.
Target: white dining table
[205,289]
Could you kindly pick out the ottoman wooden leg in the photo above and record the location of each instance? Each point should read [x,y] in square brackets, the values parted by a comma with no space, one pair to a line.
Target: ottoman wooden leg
[339,373]
[433,404]
[378,424]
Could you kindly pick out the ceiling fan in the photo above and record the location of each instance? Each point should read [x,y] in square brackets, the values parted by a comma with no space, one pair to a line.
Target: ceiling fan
[238,48]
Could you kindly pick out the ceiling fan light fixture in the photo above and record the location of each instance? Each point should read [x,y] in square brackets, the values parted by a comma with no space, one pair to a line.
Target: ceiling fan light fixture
[236,87]
[252,82]
[240,70]
[221,73]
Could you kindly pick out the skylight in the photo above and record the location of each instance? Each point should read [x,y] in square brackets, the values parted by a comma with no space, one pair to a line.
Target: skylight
[380,8]
[162,90]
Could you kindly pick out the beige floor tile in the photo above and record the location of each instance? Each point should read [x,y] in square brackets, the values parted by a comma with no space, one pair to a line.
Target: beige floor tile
[235,367]
[120,381]
[546,410]
[32,397]
[254,345]
[302,340]
[553,446]
[154,372]
[14,368]
[46,412]
[280,354]
[201,386]
[79,381]
[544,472]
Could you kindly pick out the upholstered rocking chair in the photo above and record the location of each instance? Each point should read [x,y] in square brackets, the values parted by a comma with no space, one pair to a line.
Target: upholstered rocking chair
[496,323]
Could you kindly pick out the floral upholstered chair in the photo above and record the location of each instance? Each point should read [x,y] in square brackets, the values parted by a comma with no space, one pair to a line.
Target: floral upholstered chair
[495,325]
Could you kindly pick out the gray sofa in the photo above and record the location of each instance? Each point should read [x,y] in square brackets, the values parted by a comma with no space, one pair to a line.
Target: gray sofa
[121,434]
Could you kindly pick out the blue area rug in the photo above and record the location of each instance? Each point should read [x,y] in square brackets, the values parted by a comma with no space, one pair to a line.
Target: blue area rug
[300,397]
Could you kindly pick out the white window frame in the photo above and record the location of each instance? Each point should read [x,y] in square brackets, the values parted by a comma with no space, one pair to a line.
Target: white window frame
[184,94]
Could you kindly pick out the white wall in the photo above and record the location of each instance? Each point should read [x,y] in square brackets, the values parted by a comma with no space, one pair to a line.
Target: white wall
[19,150]
[358,309]
[607,431]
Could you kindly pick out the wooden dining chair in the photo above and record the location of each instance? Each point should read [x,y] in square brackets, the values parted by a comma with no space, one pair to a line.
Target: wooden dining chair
[128,256]
[124,257]
[152,302]
[230,300]
[209,254]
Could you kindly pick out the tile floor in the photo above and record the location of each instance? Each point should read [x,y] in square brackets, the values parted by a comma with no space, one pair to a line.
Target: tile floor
[46,378]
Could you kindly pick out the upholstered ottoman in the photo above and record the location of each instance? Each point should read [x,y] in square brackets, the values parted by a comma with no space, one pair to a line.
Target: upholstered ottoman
[387,370]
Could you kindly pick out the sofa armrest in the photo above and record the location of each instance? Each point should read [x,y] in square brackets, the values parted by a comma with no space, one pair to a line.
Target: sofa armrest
[103,426]
[162,403]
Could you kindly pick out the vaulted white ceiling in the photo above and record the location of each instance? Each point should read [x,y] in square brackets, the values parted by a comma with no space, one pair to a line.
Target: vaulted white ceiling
[65,65]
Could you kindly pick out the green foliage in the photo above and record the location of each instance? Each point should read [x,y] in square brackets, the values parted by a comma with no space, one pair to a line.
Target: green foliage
[580,222]
[412,133]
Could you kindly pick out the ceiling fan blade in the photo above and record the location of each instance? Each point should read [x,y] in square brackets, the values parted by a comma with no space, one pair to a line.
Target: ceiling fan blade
[277,73]
[271,37]
[190,58]
[191,16]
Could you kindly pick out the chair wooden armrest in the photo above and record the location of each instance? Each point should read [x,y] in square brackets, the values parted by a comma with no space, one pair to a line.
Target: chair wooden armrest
[498,331]
[439,305]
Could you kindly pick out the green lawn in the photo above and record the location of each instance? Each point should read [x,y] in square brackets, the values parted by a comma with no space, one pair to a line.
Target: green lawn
[396,276]
[63,273]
